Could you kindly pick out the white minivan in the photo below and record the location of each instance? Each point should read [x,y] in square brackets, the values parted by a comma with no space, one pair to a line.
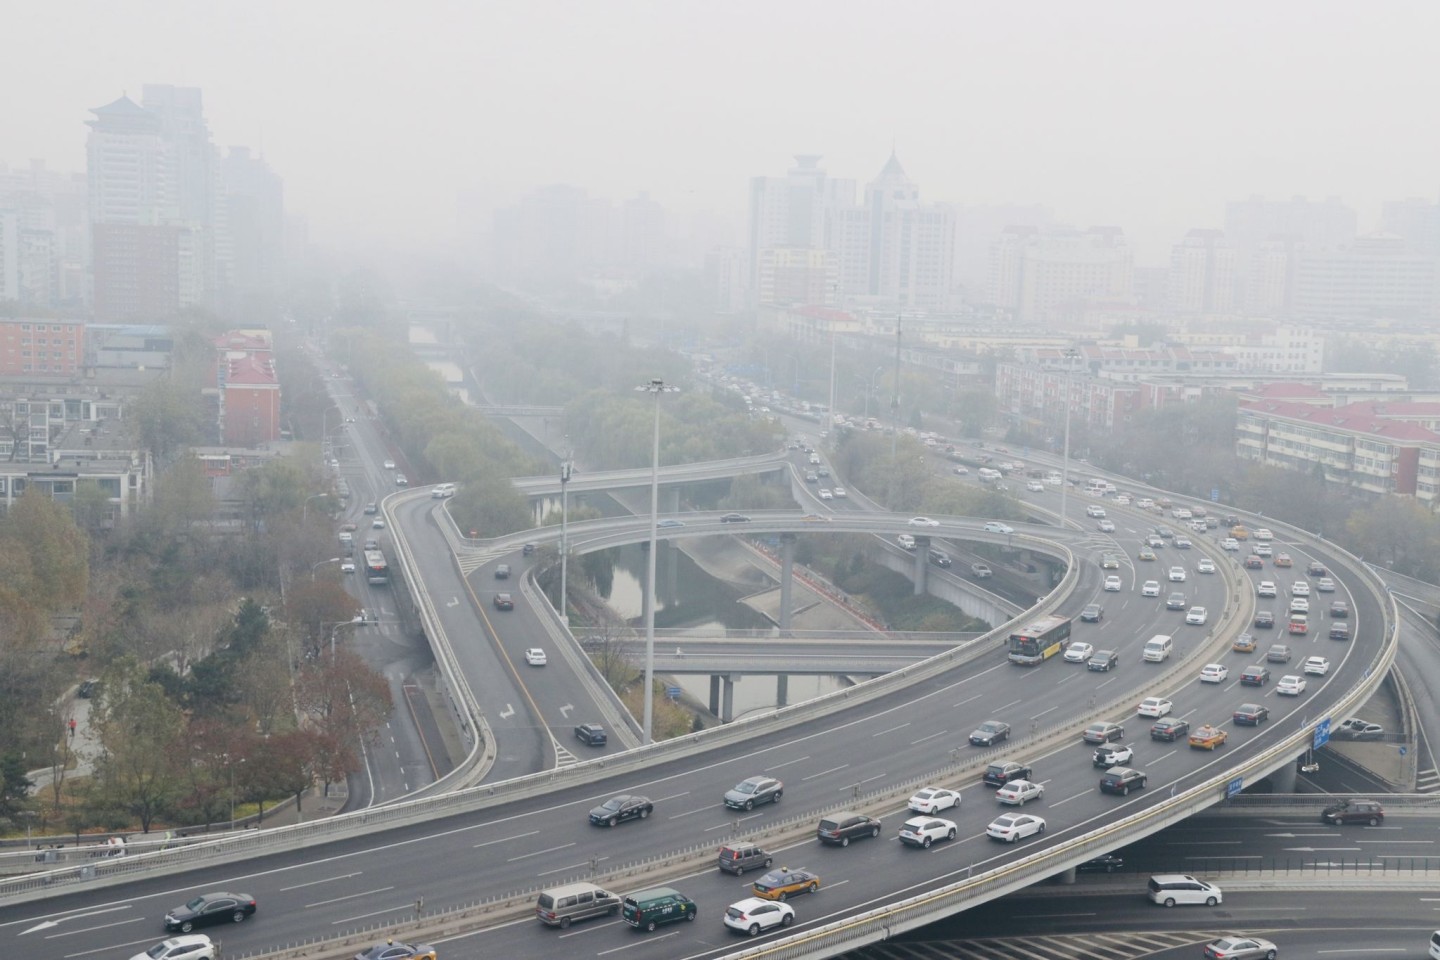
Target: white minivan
[1177,889]
[1158,648]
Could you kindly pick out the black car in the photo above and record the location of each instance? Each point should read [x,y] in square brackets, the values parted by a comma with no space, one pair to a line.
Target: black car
[999,774]
[841,828]
[1176,601]
[1340,631]
[1092,613]
[591,734]
[734,518]
[990,733]
[395,950]
[1105,863]
[502,571]
[209,909]
[1122,780]
[503,601]
[1251,714]
[1255,676]
[1339,609]
[1169,729]
[1265,620]
[622,807]
[1103,661]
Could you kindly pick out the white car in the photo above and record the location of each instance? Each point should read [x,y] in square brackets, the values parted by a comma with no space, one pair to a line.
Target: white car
[1300,589]
[753,915]
[1112,583]
[1290,685]
[1016,792]
[1206,565]
[840,493]
[1230,543]
[1150,589]
[1263,533]
[389,464]
[1262,550]
[535,657]
[1035,486]
[1155,707]
[995,526]
[923,522]
[1177,574]
[923,831]
[1325,585]
[1095,510]
[1078,652]
[192,946]
[1299,605]
[1214,673]
[961,471]
[377,524]
[826,494]
[1196,616]
[1317,666]
[347,566]
[1265,589]
[1106,526]
[934,799]
[1012,826]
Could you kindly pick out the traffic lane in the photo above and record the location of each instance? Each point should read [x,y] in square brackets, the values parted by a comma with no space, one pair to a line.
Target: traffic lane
[1307,922]
[1285,841]
[523,743]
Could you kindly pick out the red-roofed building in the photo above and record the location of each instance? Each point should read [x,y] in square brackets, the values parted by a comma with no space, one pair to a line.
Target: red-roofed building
[248,390]
[1372,446]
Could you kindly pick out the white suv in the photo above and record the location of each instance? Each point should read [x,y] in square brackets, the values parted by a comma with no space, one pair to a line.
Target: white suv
[189,947]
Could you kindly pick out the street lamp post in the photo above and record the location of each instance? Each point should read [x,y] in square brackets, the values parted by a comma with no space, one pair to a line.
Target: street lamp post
[655,387]
[320,563]
[565,469]
[878,370]
[305,508]
[1070,355]
[230,763]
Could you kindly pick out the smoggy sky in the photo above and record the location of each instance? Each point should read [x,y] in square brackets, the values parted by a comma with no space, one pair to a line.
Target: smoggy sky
[380,115]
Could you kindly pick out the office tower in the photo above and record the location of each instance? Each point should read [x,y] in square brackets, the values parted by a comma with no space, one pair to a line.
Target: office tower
[1202,277]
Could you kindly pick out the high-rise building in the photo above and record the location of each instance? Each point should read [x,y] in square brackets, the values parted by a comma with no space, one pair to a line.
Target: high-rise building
[1375,277]
[1052,278]
[43,248]
[1270,278]
[249,228]
[794,211]
[1320,225]
[1416,221]
[977,227]
[1202,276]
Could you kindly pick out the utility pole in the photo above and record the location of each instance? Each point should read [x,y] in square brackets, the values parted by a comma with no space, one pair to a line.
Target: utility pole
[895,417]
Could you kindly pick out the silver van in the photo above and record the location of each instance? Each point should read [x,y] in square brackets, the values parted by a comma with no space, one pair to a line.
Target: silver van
[1171,889]
[574,901]
[1158,648]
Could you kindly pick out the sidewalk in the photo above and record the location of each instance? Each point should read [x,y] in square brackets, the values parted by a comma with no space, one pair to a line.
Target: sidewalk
[81,746]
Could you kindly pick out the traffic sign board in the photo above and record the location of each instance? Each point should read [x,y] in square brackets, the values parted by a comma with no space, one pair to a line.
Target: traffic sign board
[1214,494]
[1234,787]
[1322,733]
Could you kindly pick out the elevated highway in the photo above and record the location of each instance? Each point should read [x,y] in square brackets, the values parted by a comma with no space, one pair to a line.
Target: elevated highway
[869,746]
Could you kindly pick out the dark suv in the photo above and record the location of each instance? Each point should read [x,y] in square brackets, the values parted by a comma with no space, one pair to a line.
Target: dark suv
[591,734]
[740,856]
[1354,811]
[1006,771]
[1265,620]
[841,828]
[1169,729]
[1122,780]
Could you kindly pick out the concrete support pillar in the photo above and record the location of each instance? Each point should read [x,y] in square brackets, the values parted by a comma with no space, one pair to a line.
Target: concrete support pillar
[670,499]
[922,564]
[727,698]
[715,694]
[1283,780]
[782,690]
[787,576]
[1067,878]
[668,584]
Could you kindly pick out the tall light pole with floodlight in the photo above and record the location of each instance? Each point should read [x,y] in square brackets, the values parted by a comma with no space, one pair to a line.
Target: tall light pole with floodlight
[1070,356]
[565,468]
[320,563]
[656,387]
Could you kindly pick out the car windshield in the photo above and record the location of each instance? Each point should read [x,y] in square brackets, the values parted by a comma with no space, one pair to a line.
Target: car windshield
[195,904]
[156,951]
[989,727]
[614,803]
[746,786]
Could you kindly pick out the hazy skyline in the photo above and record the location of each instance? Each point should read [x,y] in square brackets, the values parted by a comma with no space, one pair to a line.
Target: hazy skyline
[380,118]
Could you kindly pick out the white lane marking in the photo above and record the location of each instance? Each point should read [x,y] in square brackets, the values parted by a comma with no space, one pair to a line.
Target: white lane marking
[517,836]
[377,913]
[527,856]
[47,924]
[785,763]
[103,926]
[932,736]
[348,896]
[673,796]
[343,876]
[824,772]
[570,866]
[890,730]
[638,943]
[508,712]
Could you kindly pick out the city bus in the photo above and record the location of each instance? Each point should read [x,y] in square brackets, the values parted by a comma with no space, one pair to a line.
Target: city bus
[376,571]
[1039,641]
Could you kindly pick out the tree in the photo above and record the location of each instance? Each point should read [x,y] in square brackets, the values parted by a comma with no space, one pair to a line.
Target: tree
[15,787]
[139,729]
[342,700]
[56,552]
[318,606]
[165,418]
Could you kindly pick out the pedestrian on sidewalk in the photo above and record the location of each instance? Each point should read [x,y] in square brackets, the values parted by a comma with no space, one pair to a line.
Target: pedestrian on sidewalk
[72,728]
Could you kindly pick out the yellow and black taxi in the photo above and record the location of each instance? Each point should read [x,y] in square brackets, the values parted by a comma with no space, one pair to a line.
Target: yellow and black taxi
[1207,737]
[785,883]
[1244,643]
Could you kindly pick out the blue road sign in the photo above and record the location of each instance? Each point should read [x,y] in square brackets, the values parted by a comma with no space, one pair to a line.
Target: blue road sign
[1322,733]
[1234,787]
[673,693]
[1214,494]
